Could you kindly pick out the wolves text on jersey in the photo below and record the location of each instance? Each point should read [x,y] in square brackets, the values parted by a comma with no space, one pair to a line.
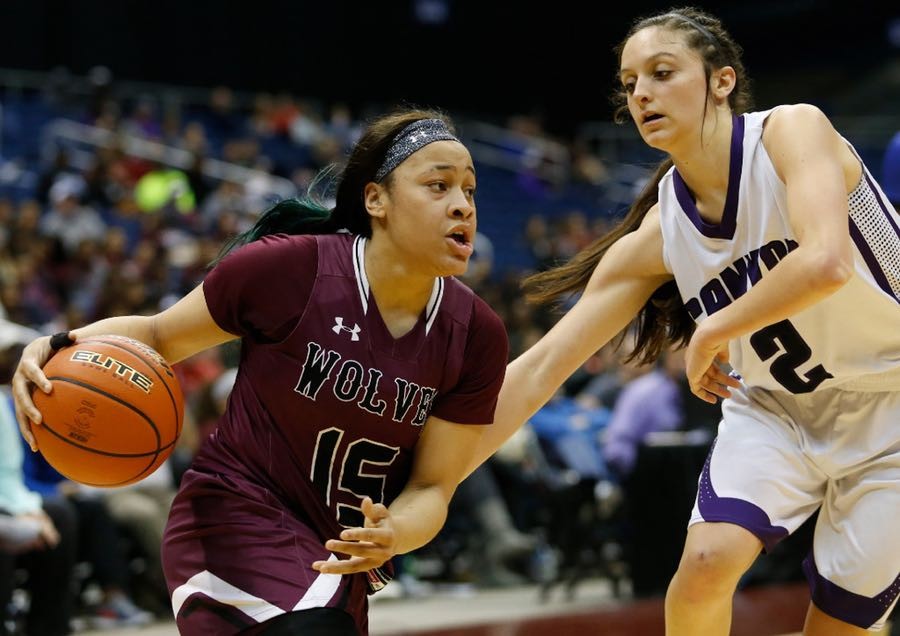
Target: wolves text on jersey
[733,281]
[354,383]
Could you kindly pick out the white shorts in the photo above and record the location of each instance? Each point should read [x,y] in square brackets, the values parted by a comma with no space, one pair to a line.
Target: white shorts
[778,457]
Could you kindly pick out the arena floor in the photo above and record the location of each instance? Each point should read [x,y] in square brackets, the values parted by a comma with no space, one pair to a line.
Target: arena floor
[462,611]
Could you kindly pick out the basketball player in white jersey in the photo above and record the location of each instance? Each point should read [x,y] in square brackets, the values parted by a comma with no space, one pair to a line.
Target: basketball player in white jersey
[764,244]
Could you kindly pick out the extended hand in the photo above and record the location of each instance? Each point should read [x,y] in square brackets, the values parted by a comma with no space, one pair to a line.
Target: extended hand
[368,547]
[702,366]
[28,373]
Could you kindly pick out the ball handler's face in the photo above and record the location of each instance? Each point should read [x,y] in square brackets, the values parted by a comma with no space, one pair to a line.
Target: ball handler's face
[428,211]
[665,85]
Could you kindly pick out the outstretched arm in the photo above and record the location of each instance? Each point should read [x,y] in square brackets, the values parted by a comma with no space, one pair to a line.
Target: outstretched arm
[627,275]
[176,333]
[419,511]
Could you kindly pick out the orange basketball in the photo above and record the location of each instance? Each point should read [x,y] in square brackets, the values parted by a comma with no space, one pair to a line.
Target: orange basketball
[114,414]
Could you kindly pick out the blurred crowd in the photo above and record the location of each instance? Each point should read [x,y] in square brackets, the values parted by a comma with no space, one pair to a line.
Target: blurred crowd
[104,232]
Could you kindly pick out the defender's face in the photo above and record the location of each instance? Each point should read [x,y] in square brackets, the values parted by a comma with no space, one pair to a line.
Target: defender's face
[665,84]
[431,208]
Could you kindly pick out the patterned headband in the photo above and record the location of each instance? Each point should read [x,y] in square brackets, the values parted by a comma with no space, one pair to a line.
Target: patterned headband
[412,138]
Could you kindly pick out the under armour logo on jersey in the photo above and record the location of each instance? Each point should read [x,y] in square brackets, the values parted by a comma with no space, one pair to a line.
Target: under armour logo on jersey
[339,327]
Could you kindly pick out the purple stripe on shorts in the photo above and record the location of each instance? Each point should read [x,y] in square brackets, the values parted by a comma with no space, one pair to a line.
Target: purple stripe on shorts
[845,605]
[871,260]
[737,511]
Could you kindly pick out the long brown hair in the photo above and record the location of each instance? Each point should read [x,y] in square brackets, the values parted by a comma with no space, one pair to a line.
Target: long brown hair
[662,321]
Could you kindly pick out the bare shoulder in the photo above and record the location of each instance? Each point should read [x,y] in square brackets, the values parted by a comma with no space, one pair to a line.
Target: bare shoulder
[798,136]
[791,124]
[786,117]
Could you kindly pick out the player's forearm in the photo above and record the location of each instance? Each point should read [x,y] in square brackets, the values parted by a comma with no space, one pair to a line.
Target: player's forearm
[801,279]
[137,327]
[418,514]
[522,394]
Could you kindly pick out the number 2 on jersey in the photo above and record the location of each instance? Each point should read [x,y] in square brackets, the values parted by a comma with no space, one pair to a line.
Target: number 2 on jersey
[796,352]
[350,475]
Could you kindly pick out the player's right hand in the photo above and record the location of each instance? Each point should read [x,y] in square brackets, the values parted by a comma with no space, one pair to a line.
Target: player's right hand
[29,373]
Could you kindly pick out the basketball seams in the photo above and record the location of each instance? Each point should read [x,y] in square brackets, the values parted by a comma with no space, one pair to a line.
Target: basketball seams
[153,463]
[97,451]
[141,355]
[123,357]
[117,399]
[125,482]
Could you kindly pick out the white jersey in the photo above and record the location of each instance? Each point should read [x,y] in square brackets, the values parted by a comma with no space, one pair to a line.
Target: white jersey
[849,339]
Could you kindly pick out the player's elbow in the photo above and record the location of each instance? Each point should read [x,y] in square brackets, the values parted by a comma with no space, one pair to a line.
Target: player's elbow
[832,270]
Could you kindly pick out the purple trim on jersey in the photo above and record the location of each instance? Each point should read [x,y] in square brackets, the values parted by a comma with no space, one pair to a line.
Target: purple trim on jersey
[725,229]
[737,511]
[845,605]
[880,202]
[871,260]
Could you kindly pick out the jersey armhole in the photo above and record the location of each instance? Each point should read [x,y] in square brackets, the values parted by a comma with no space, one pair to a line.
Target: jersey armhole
[768,165]
[664,183]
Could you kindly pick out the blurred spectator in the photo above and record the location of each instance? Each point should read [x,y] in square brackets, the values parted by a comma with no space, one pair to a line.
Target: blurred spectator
[540,243]
[481,262]
[198,182]
[652,402]
[570,434]
[587,167]
[573,235]
[68,221]
[60,166]
[890,178]
[7,214]
[221,119]
[99,543]
[11,334]
[341,126]
[601,378]
[500,543]
[144,120]
[305,127]
[142,509]
[25,237]
[36,534]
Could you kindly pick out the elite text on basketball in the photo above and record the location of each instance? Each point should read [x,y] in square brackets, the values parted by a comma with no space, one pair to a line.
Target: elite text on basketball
[116,366]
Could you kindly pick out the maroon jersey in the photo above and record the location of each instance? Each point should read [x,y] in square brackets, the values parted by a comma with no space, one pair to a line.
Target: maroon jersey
[327,405]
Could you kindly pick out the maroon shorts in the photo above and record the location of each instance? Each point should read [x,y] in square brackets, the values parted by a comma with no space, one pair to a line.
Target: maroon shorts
[235,557]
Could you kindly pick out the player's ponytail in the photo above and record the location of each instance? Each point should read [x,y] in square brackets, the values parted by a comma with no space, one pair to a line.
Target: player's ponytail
[663,319]
[308,214]
[312,214]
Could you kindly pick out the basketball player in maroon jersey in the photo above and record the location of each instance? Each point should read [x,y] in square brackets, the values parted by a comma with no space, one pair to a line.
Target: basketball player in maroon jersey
[364,364]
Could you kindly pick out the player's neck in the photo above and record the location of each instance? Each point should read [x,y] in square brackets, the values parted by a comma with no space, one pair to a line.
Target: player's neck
[397,288]
[705,168]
